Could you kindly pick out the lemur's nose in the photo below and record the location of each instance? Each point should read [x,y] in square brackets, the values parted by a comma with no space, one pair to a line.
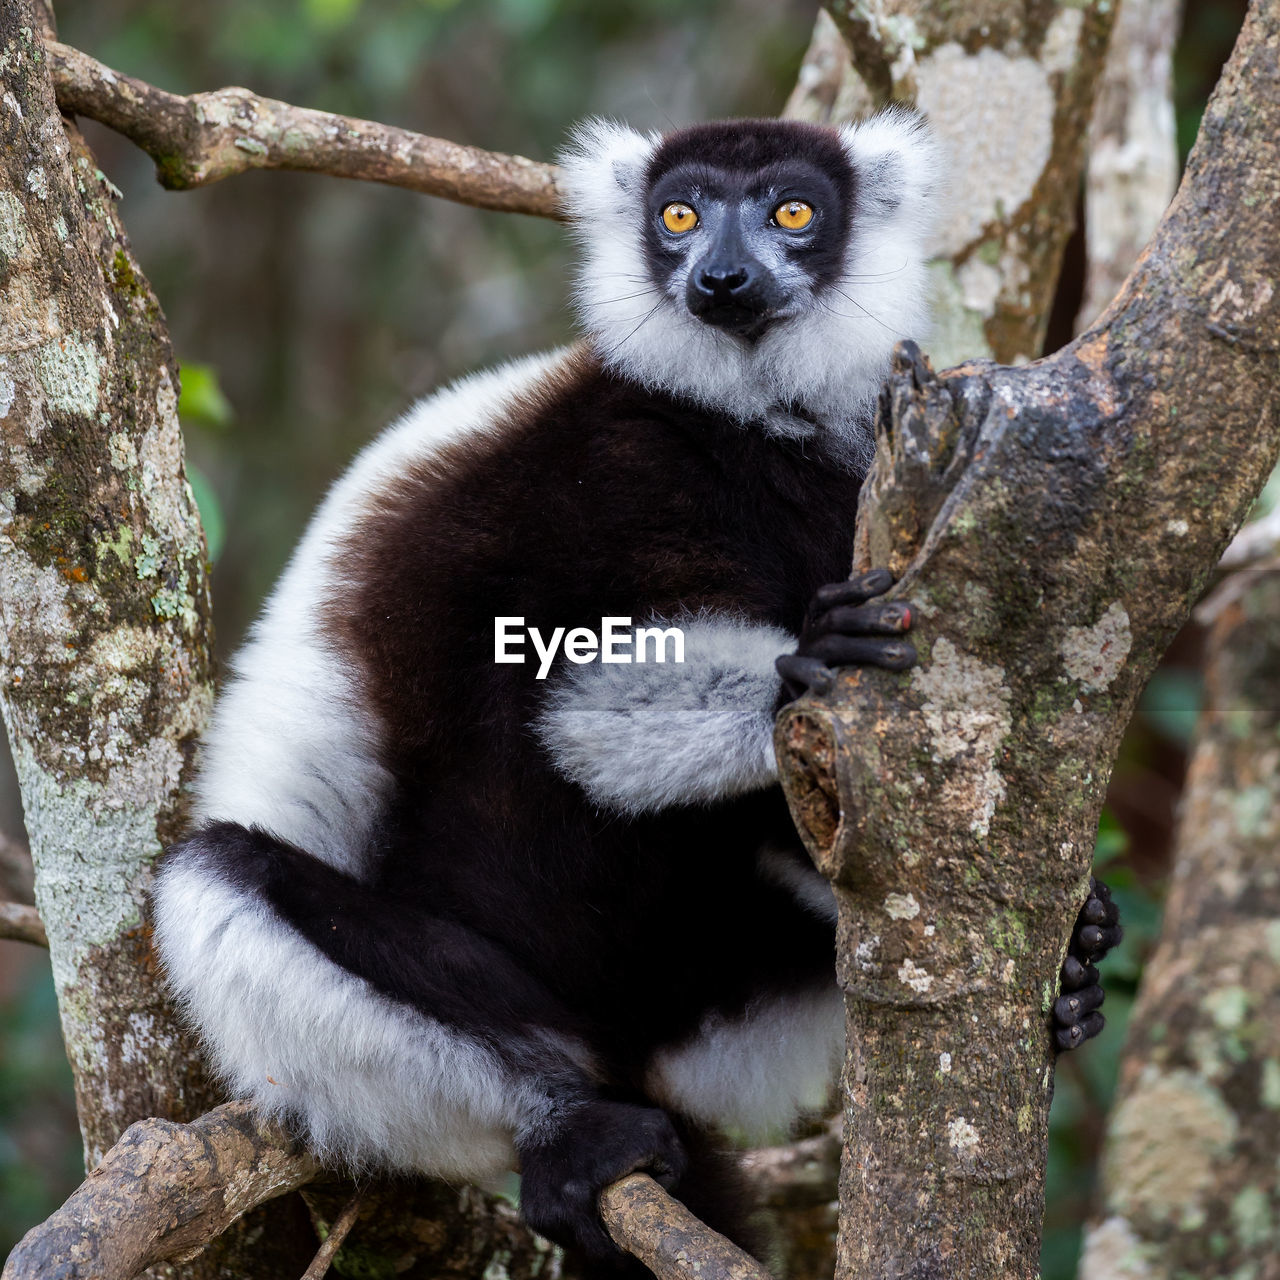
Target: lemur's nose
[723,283]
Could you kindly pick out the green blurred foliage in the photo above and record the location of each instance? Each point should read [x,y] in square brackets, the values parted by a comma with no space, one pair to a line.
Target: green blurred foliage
[40,1157]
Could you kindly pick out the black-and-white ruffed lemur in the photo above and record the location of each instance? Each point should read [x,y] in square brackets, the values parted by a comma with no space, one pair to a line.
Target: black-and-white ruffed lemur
[440,914]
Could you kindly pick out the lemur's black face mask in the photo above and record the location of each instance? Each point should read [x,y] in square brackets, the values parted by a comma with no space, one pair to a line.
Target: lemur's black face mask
[748,241]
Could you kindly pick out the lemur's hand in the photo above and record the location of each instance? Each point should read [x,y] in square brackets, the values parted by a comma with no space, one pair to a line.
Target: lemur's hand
[842,630]
[1097,929]
[564,1169]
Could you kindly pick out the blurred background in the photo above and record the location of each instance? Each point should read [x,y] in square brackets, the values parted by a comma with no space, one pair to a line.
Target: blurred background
[306,312]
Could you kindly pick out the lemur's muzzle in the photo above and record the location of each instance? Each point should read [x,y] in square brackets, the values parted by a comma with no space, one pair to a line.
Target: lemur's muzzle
[733,296]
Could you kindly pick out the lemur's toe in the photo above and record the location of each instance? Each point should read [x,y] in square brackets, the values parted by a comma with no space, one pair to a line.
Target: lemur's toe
[1097,929]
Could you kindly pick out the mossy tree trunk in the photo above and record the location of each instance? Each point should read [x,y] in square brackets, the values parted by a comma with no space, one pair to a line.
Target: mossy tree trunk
[1053,525]
[1010,88]
[1191,1185]
[105,640]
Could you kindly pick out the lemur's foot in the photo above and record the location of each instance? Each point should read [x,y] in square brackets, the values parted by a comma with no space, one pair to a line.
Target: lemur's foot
[564,1170]
[1075,1012]
[841,629]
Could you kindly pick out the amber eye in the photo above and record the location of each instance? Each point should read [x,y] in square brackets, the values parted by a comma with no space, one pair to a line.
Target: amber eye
[679,217]
[793,214]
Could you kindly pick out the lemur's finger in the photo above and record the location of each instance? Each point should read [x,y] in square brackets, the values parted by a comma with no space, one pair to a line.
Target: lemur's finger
[804,674]
[846,651]
[1073,1006]
[1077,1033]
[1095,941]
[866,619]
[856,590]
[1076,974]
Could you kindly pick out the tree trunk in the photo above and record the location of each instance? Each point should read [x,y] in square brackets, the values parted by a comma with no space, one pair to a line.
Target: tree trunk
[1052,526]
[1132,170]
[1190,1180]
[105,641]
[1010,89]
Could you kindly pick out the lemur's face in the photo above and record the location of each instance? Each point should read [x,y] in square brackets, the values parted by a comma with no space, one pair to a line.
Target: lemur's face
[742,227]
[761,268]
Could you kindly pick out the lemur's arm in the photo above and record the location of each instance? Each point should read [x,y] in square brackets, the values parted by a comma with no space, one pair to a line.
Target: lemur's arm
[643,737]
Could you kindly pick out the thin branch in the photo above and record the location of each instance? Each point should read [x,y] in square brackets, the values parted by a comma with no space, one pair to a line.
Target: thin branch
[333,1241]
[20,923]
[207,136]
[667,1238]
[17,875]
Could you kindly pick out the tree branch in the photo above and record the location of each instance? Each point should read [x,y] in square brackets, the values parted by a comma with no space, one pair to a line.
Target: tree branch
[21,923]
[341,1228]
[161,1194]
[667,1238]
[207,136]
[1189,1164]
[165,1190]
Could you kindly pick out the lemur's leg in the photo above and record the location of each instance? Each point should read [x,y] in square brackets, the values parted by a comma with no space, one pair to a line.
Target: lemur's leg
[842,628]
[393,1036]
[1097,929]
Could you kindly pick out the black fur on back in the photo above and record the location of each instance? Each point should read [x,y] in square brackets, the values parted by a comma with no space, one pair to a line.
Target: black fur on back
[595,498]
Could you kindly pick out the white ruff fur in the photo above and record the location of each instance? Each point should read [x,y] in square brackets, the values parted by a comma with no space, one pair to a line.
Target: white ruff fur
[371,1082]
[829,360]
[291,747]
[639,737]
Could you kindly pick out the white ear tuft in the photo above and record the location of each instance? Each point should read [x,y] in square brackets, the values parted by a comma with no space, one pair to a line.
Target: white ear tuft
[602,169]
[900,166]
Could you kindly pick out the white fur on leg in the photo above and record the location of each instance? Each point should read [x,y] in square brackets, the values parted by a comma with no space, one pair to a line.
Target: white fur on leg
[643,736]
[370,1081]
[757,1074]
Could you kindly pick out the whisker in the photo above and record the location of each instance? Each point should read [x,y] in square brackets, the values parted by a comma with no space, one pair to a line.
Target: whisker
[864,277]
[617,346]
[625,297]
[849,298]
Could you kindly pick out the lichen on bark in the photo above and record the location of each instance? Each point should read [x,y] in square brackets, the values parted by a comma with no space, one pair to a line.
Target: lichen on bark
[1191,1184]
[1012,176]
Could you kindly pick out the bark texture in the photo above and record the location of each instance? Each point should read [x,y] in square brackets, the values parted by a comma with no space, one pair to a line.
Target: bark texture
[105,676]
[165,1190]
[1191,1185]
[104,607]
[1132,169]
[207,136]
[1010,89]
[162,1193]
[1052,525]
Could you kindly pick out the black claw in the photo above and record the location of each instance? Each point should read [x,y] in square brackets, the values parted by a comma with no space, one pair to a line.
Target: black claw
[856,590]
[1069,1037]
[804,674]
